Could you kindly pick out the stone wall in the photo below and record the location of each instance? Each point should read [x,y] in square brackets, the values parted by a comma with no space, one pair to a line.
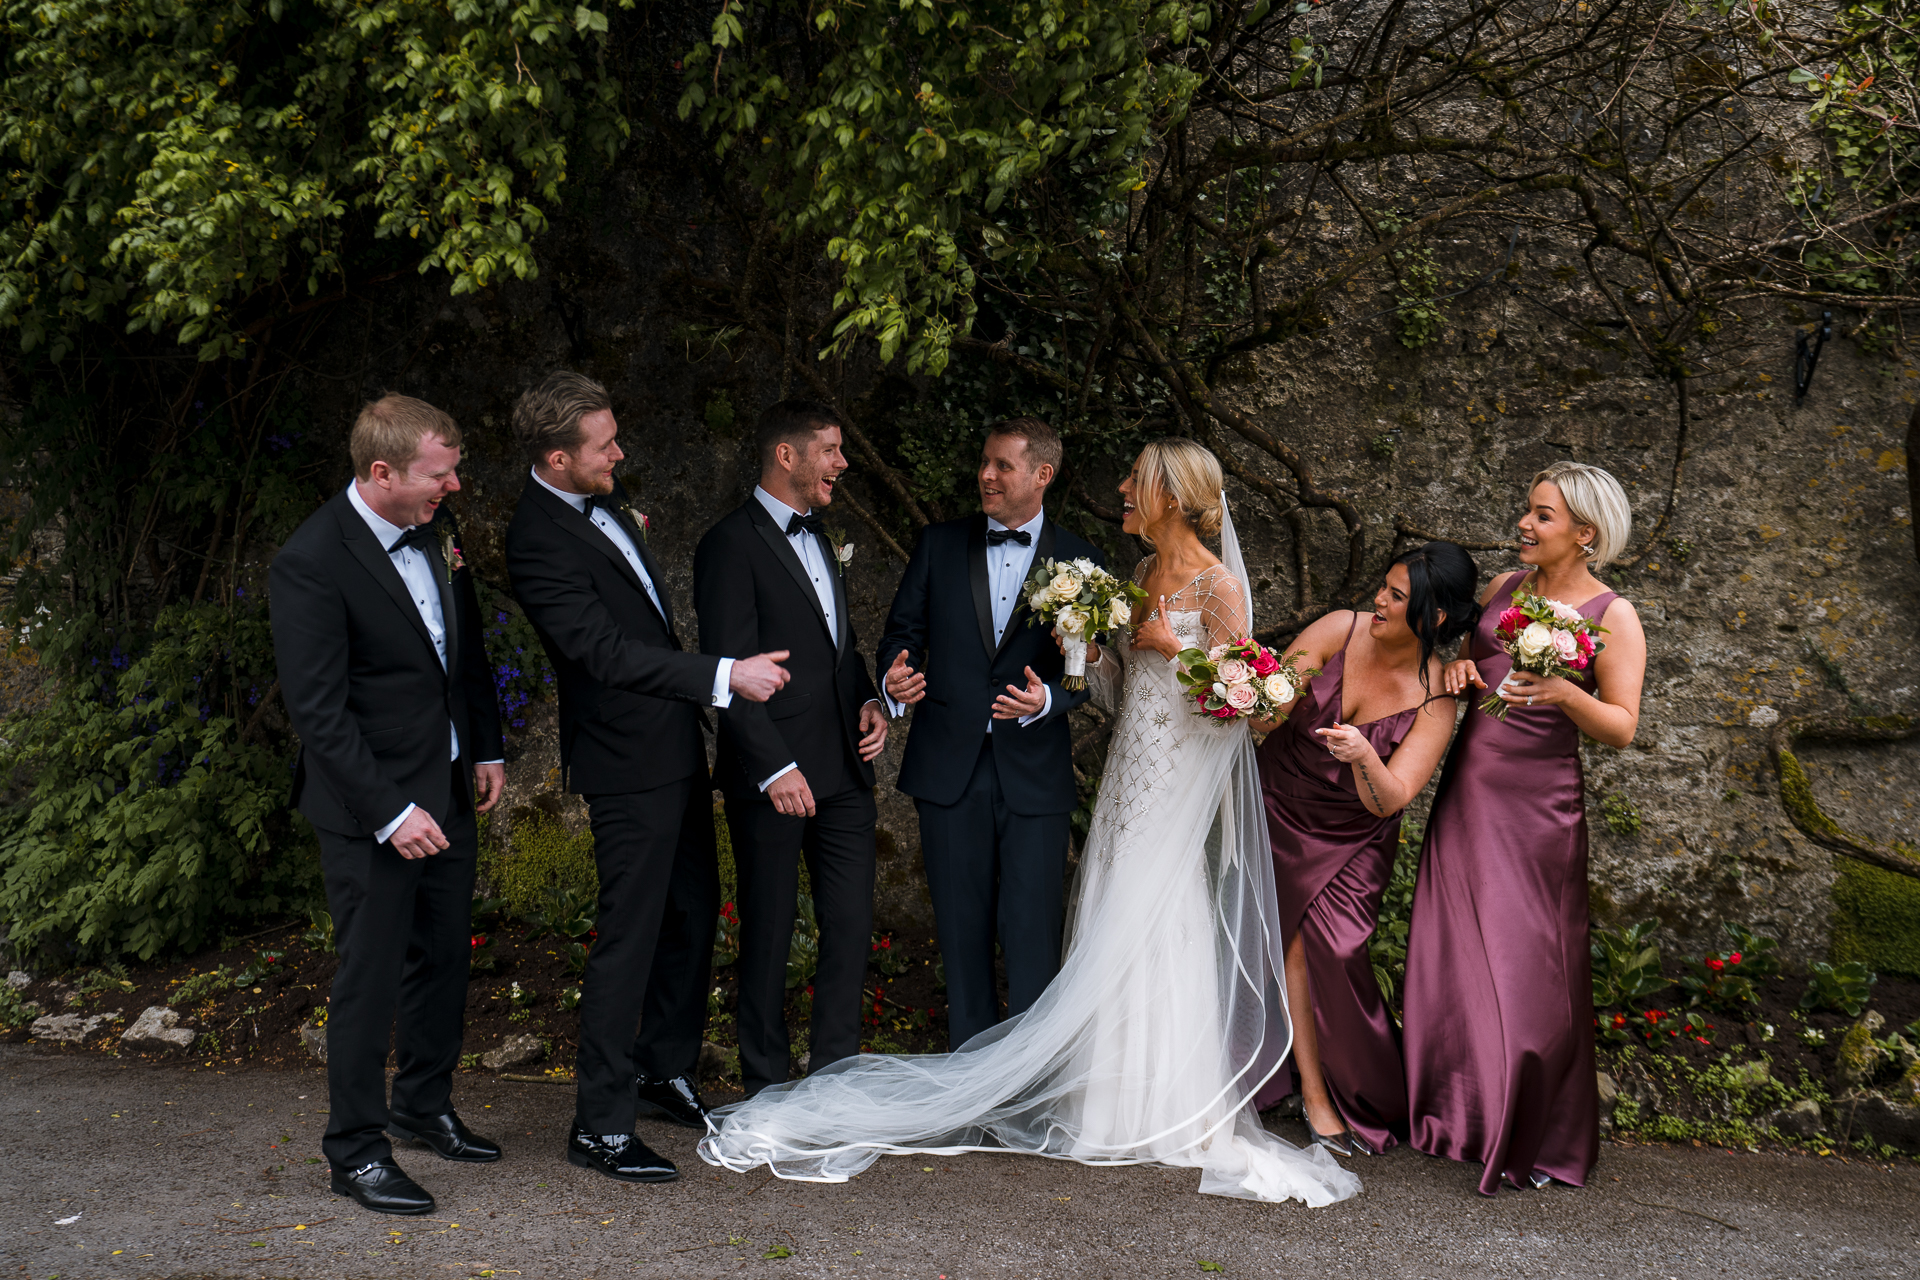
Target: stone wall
[1786,579]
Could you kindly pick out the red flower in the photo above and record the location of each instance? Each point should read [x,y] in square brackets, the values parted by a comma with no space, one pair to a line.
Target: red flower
[1619,1019]
[1655,1015]
[479,940]
[1703,1040]
[1716,964]
[1265,664]
[1512,622]
[1734,958]
[887,943]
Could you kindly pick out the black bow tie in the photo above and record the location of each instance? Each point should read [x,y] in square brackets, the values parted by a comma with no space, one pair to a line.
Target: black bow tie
[420,535]
[997,536]
[810,523]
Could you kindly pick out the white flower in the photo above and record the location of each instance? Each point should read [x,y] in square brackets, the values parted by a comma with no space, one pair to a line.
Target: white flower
[1216,653]
[1065,586]
[1564,612]
[1120,611]
[1536,641]
[1039,600]
[1565,645]
[1279,689]
[1085,567]
[1071,620]
[1234,671]
[844,554]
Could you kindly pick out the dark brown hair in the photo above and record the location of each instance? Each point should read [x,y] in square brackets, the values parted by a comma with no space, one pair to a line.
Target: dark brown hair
[547,416]
[1043,442]
[792,422]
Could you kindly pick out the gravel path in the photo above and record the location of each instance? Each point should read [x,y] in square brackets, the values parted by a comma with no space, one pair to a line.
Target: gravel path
[116,1169]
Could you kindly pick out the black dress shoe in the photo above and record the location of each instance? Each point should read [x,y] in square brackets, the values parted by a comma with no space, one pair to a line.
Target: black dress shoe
[383,1188]
[626,1158]
[676,1099]
[449,1138]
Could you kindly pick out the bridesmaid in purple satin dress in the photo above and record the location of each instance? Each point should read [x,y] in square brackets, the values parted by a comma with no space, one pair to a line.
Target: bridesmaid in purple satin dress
[1362,740]
[1499,1001]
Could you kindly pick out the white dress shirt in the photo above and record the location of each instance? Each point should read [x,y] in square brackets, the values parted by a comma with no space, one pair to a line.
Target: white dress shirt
[604,521]
[1007,567]
[817,560]
[416,571]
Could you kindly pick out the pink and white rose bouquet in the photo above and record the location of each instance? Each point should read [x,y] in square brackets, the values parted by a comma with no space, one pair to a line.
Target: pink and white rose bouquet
[1545,638]
[1244,680]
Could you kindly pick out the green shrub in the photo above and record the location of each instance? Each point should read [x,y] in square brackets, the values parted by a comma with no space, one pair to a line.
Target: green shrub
[1876,917]
[539,855]
[202,987]
[152,824]
[1843,988]
[1625,965]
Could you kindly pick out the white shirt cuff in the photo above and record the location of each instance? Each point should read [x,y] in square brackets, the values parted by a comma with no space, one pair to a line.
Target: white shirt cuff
[778,774]
[490,762]
[385,833]
[723,684]
[1042,713]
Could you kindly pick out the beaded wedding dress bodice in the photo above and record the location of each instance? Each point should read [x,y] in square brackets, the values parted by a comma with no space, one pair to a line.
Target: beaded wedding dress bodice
[1165,1019]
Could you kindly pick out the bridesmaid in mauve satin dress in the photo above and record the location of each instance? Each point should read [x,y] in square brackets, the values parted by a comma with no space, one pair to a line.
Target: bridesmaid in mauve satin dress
[1499,1000]
[1336,776]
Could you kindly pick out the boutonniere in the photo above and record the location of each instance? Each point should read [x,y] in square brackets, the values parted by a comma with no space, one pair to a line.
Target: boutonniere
[450,555]
[640,521]
[842,550]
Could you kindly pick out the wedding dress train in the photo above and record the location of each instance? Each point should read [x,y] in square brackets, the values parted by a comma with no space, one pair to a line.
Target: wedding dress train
[1150,1044]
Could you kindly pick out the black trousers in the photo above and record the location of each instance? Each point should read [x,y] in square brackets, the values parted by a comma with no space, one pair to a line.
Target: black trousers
[651,961]
[402,930]
[988,868]
[767,845]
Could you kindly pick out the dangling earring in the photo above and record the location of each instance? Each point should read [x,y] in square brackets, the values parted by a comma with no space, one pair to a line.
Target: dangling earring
[1587,549]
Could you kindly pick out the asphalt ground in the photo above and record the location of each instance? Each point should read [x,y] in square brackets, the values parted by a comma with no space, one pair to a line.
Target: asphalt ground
[111,1169]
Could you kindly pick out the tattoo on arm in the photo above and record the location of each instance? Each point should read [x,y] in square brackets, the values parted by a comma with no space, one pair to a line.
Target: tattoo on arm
[1378,805]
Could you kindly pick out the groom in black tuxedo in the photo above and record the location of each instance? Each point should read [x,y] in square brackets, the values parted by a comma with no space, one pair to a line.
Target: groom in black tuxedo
[377,637]
[630,742]
[990,757]
[797,773]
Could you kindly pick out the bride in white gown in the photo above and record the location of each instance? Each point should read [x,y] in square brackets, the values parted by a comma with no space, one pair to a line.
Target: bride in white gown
[1152,1041]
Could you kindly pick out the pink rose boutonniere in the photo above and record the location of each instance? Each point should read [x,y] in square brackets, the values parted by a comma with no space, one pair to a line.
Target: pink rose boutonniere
[640,521]
[450,555]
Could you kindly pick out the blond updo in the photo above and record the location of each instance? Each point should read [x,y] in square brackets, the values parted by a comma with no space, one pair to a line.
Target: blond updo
[1594,498]
[1177,468]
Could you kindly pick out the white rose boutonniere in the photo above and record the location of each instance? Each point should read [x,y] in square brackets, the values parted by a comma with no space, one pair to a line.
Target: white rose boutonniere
[640,521]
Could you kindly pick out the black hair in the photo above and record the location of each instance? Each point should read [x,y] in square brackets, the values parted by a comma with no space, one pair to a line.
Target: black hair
[792,422]
[1441,578]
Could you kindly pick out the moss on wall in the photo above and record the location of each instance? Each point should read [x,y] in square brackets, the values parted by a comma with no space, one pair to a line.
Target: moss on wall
[1876,917]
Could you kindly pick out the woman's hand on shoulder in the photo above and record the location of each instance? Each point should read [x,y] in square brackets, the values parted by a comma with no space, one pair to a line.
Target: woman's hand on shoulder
[1460,673]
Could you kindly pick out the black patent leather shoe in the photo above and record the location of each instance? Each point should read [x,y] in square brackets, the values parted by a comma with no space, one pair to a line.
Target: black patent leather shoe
[675,1099]
[383,1188]
[626,1158]
[446,1134]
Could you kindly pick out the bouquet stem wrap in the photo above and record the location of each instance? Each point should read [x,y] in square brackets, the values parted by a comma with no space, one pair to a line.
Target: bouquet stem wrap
[1076,665]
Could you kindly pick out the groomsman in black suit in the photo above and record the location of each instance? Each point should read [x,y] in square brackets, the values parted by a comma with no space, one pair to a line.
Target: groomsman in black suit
[631,715]
[797,773]
[990,757]
[377,636]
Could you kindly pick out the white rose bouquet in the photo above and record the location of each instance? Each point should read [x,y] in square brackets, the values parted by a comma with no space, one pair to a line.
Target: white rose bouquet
[1546,638]
[1082,601]
[1242,680]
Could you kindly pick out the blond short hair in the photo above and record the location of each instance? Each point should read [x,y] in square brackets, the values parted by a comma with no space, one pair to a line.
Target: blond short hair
[1177,468]
[1594,498]
[547,416]
[390,430]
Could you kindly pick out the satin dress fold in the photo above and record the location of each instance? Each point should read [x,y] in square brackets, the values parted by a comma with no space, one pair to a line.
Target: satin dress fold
[1332,860]
[1499,998]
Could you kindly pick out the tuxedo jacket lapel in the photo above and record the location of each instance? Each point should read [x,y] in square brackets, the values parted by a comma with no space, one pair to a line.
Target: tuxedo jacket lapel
[783,551]
[374,559]
[842,623]
[1042,552]
[580,526]
[977,572]
[449,618]
[618,502]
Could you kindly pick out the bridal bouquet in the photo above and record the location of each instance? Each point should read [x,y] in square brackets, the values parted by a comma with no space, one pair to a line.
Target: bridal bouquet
[1242,680]
[1081,600]
[1544,638]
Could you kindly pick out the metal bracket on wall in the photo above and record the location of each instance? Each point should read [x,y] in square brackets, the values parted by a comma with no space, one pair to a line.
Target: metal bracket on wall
[1805,359]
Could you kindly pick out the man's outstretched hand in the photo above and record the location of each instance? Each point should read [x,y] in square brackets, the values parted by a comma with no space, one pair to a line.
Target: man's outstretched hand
[489,780]
[760,677]
[1017,703]
[905,684]
[873,731]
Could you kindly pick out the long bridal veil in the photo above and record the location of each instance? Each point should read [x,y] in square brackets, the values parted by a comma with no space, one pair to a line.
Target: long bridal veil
[1166,1017]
